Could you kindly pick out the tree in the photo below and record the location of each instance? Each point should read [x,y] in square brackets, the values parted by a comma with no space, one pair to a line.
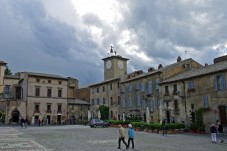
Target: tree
[8,71]
[104,110]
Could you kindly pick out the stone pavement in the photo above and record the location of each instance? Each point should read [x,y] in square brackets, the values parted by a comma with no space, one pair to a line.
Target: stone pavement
[10,141]
[83,138]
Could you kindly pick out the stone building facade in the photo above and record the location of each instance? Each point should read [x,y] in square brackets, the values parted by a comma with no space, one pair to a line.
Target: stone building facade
[78,106]
[204,87]
[140,94]
[38,96]
[107,92]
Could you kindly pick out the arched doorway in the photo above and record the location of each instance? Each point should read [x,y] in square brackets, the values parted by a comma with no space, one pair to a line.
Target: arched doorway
[15,116]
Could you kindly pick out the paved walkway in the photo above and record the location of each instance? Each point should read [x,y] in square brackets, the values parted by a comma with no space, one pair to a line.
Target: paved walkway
[83,138]
[10,141]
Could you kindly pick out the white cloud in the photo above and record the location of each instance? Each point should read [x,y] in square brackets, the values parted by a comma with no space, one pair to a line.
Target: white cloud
[71,37]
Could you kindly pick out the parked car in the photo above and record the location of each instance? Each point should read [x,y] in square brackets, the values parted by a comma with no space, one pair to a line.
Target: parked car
[98,123]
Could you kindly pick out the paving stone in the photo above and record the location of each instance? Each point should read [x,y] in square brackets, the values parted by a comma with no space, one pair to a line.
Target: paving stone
[84,138]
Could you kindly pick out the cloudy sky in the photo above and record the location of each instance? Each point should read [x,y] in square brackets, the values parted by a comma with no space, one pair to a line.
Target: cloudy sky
[70,37]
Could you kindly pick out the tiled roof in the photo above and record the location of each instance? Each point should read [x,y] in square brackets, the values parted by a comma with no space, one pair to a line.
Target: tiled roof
[77,101]
[45,75]
[104,82]
[11,77]
[157,70]
[198,72]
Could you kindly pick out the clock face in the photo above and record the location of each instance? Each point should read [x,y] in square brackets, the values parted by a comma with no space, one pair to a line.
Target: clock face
[120,64]
[108,64]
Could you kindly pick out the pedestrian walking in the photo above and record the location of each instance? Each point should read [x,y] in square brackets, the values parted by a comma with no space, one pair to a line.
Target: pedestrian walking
[25,123]
[22,122]
[164,128]
[220,131]
[130,135]
[213,131]
[121,137]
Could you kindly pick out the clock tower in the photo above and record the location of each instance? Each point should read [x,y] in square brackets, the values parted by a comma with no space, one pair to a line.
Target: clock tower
[114,66]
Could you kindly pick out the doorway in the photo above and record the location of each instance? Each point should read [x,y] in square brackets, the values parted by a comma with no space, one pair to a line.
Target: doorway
[15,116]
[48,120]
[168,116]
[59,119]
[223,117]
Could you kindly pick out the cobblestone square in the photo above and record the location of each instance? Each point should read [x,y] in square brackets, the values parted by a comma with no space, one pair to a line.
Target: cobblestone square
[84,138]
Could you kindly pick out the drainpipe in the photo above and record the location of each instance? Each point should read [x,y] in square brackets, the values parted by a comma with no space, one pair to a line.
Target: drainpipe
[185,105]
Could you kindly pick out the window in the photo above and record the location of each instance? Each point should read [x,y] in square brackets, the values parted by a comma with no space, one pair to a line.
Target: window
[59,108]
[111,87]
[175,89]
[149,87]
[37,91]
[138,101]
[37,80]
[111,101]
[152,105]
[7,88]
[48,108]
[176,105]
[103,89]
[220,83]
[103,101]
[123,102]
[130,102]
[166,90]
[119,100]
[59,93]
[49,81]
[36,108]
[59,82]
[157,84]
[137,86]
[97,101]
[144,104]
[49,92]
[205,102]
[118,85]
[130,87]
[122,89]
[191,84]
[143,87]
[92,102]
[97,89]
[158,103]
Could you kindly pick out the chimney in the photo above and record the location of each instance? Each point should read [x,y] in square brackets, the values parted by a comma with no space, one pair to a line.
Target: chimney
[178,59]
[159,66]
[220,59]
[151,69]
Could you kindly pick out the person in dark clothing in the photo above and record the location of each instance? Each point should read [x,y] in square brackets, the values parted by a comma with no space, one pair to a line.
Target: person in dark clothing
[220,131]
[213,131]
[22,122]
[164,128]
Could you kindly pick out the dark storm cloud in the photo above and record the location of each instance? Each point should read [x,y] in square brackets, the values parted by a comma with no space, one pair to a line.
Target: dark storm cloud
[161,25]
[32,40]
